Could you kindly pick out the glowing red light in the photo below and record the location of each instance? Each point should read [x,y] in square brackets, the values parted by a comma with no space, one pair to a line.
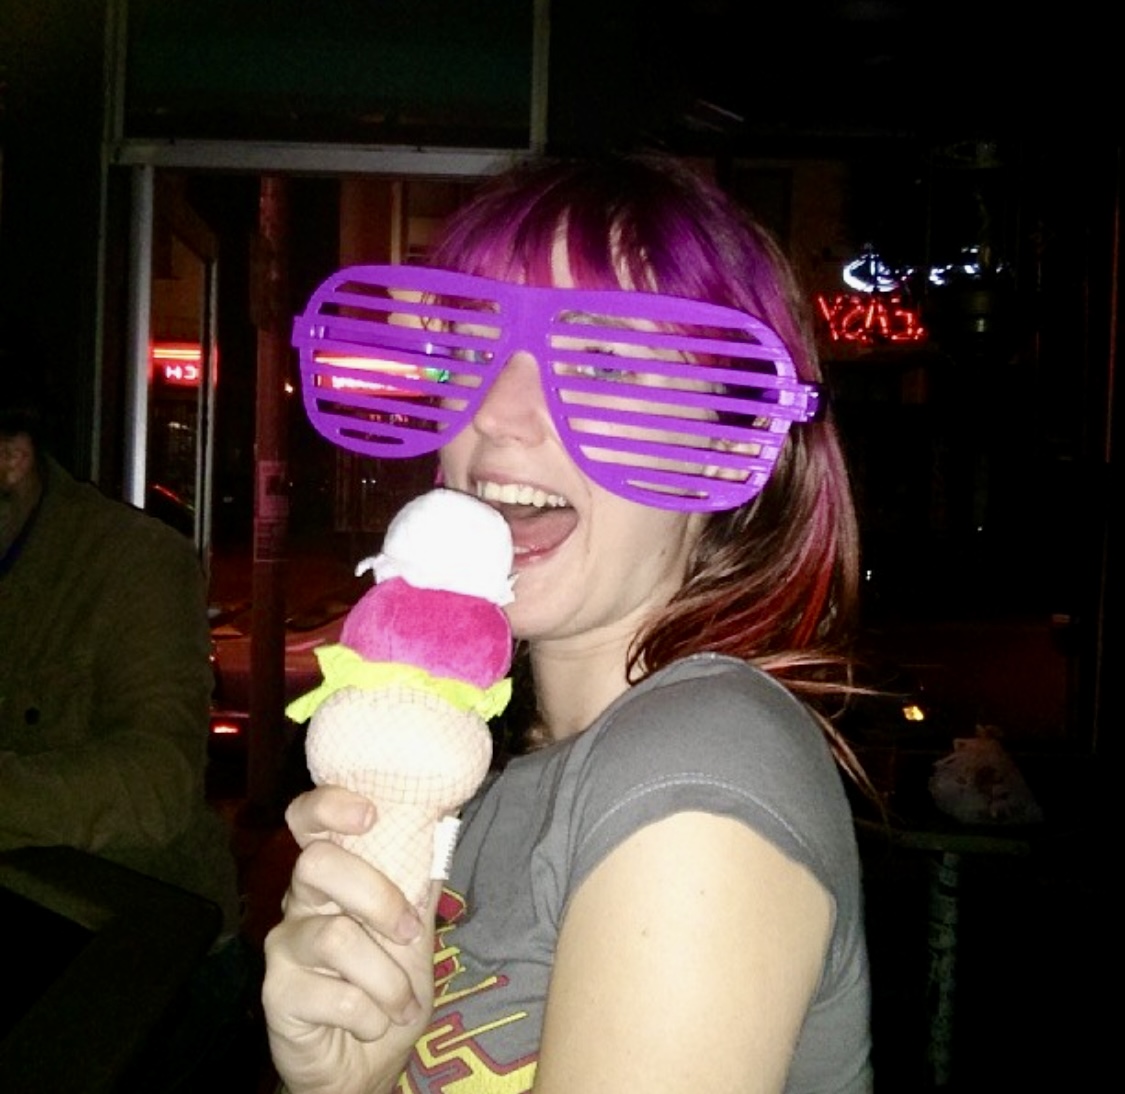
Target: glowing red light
[870,319]
[388,369]
[177,363]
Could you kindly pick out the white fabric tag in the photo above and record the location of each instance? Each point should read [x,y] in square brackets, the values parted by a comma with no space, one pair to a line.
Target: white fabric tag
[445,840]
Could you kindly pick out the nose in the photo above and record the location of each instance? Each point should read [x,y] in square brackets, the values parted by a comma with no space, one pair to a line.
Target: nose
[514,410]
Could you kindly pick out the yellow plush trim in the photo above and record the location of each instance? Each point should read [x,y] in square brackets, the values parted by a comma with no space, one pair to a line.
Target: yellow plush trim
[342,667]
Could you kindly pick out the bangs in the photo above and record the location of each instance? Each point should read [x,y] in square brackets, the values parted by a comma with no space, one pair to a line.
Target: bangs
[627,224]
[514,236]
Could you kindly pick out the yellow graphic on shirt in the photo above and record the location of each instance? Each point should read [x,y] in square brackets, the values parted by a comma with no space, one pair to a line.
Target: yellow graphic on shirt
[449,1059]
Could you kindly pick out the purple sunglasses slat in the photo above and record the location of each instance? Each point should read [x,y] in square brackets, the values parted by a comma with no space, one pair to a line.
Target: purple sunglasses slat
[724,375]
[672,343]
[358,386]
[353,315]
[713,402]
[700,457]
[389,443]
[371,403]
[746,436]
[347,335]
[426,309]
[681,491]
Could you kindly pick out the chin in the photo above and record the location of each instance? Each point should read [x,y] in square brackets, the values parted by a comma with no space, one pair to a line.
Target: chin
[525,626]
[533,621]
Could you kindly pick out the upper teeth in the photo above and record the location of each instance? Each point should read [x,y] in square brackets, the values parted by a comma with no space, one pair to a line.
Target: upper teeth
[519,494]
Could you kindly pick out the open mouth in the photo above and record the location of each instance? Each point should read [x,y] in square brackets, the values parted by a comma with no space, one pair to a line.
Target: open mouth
[540,521]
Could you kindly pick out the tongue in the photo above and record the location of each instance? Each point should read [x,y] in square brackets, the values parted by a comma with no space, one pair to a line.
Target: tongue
[536,531]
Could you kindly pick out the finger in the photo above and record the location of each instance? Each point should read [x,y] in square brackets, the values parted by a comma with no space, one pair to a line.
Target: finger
[328,879]
[317,813]
[326,970]
[305,999]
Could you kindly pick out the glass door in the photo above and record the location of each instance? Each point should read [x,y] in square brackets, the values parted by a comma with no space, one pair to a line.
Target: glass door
[182,366]
[174,359]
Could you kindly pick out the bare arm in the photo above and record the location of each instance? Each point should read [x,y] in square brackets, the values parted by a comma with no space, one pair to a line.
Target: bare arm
[686,961]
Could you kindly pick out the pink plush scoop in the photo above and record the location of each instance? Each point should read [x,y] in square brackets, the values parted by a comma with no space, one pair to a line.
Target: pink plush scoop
[447,634]
[402,714]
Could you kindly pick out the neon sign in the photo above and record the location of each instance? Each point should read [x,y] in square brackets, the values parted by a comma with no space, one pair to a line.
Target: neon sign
[875,311]
[869,273]
[178,364]
[869,319]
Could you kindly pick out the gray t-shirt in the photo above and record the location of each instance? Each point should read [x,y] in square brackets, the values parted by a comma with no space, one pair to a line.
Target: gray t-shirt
[707,734]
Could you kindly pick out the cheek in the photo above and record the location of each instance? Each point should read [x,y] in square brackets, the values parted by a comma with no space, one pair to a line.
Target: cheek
[453,462]
[652,440]
[651,545]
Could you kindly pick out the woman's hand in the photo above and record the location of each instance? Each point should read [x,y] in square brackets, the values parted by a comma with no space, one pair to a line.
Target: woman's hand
[349,970]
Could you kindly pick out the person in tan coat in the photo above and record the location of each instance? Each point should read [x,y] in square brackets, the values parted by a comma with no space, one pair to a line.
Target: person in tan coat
[105,684]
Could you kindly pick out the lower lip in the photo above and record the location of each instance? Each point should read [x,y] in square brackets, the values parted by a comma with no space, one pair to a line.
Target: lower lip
[535,556]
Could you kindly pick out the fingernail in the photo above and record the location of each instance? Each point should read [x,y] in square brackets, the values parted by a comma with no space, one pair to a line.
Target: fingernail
[411,1011]
[364,816]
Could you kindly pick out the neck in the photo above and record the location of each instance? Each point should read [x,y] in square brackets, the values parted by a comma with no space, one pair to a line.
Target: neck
[574,684]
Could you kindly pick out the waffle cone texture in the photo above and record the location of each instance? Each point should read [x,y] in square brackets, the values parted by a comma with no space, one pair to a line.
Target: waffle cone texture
[418,757]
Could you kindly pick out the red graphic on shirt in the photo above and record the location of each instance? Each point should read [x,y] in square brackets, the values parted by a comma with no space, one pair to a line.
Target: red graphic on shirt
[448,1058]
[450,911]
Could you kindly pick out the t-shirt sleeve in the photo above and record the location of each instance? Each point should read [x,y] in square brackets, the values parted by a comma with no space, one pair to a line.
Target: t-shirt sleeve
[730,742]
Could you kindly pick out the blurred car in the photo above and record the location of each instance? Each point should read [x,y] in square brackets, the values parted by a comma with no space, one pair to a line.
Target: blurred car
[231,655]
[230,701]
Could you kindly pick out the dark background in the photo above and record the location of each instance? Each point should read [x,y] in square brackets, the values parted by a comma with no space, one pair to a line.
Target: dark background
[990,496]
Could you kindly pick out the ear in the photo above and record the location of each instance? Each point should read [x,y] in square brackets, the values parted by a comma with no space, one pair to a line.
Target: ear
[17,460]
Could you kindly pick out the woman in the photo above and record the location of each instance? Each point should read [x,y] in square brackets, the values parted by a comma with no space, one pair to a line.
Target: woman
[663,893]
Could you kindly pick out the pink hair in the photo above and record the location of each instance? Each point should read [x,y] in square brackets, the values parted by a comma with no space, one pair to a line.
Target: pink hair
[774,582]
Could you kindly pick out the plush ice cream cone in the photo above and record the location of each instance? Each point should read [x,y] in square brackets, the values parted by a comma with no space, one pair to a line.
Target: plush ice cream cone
[402,714]
[414,754]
